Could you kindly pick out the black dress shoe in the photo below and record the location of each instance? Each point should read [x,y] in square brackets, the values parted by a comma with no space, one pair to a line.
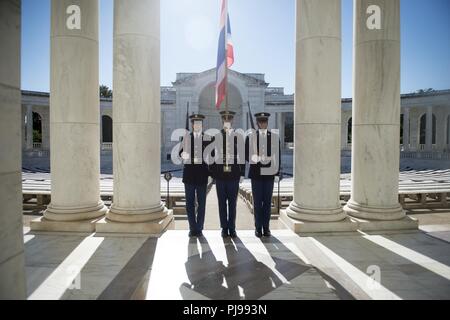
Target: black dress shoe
[267,233]
[199,234]
[258,234]
[191,234]
[224,233]
[233,234]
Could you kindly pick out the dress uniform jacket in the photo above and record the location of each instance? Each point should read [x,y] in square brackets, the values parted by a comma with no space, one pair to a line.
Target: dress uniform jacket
[237,170]
[255,168]
[196,173]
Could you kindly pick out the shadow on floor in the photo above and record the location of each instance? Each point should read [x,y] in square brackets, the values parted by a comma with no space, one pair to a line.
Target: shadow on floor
[116,270]
[411,265]
[278,251]
[133,276]
[244,277]
[44,253]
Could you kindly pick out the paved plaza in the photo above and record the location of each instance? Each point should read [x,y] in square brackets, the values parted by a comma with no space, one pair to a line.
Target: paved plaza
[410,265]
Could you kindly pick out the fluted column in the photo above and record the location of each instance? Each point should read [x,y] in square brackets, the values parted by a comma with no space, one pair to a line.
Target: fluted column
[406,129]
[441,133]
[429,129]
[12,261]
[343,131]
[316,206]
[244,119]
[137,206]
[74,119]
[29,127]
[280,127]
[376,117]
[46,131]
[414,130]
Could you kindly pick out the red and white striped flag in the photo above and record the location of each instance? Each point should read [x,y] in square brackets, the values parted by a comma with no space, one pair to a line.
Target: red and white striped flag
[225,54]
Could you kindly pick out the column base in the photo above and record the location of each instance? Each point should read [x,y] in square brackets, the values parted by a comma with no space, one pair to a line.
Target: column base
[125,215]
[43,224]
[65,219]
[74,214]
[301,226]
[356,210]
[149,221]
[407,223]
[315,215]
[153,226]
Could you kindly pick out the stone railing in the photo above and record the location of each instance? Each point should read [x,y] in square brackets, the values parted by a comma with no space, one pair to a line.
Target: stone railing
[37,145]
[289,145]
[425,155]
[423,147]
[107,145]
[347,147]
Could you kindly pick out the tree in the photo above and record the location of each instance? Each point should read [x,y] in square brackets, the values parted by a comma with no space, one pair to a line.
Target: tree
[105,92]
[421,91]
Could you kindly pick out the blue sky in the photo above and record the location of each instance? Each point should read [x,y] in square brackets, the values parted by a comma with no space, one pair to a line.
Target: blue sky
[263,36]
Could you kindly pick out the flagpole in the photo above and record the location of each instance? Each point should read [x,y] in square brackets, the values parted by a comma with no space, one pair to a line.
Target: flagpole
[226,56]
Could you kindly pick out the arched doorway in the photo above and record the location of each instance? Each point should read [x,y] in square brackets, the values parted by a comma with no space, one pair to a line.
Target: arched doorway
[402,129]
[207,106]
[289,127]
[349,131]
[37,129]
[107,129]
[423,129]
[448,130]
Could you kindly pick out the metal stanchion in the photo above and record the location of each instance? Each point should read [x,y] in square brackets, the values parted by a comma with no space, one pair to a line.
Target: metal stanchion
[168,177]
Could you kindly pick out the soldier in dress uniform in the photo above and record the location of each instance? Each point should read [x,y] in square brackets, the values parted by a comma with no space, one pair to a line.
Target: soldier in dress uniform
[264,166]
[228,174]
[195,174]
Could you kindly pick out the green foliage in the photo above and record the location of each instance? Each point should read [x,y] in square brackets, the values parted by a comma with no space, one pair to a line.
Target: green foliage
[37,136]
[105,92]
[429,90]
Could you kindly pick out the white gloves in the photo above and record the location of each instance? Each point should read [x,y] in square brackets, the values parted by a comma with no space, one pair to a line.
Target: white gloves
[185,155]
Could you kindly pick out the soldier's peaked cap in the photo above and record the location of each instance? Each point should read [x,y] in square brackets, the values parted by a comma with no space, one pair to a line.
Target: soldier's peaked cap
[197,116]
[227,115]
[262,116]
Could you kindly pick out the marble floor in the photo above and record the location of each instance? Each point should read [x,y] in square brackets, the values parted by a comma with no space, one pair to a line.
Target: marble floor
[413,265]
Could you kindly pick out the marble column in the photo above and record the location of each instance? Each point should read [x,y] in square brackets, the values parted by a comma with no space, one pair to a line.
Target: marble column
[45,132]
[29,127]
[74,119]
[12,261]
[441,130]
[413,130]
[406,129]
[280,127]
[137,206]
[343,132]
[376,117]
[429,129]
[244,119]
[316,206]
[23,127]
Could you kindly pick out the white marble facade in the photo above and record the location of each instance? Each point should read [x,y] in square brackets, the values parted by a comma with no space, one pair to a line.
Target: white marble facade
[198,90]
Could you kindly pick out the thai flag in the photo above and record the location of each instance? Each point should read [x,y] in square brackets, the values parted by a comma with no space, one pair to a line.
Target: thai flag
[225,55]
